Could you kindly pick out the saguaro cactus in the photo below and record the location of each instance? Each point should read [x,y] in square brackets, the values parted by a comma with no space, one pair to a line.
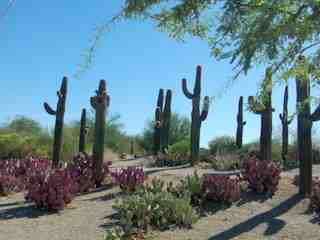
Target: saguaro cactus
[305,120]
[166,117]
[162,122]
[131,147]
[285,121]
[158,124]
[240,123]
[59,113]
[83,131]
[99,102]
[196,116]
[263,107]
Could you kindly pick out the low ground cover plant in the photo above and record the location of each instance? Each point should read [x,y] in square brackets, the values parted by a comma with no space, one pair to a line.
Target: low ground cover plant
[15,173]
[263,176]
[130,178]
[81,170]
[51,190]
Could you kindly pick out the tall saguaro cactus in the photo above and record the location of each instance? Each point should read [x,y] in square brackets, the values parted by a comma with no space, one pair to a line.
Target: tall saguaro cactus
[196,116]
[99,102]
[305,120]
[158,124]
[166,117]
[59,113]
[263,107]
[83,131]
[162,122]
[285,121]
[240,123]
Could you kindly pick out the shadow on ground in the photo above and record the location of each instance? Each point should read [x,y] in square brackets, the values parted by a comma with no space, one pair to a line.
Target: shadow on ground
[269,217]
[29,211]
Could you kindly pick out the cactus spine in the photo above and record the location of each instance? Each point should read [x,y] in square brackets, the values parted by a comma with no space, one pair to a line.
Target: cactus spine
[305,120]
[196,117]
[162,122]
[99,102]
[59,113]
[285,121]
[83,131]
[240,123]
[263,107]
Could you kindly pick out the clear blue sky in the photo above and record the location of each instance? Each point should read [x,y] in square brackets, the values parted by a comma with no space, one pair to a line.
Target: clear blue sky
[43,40]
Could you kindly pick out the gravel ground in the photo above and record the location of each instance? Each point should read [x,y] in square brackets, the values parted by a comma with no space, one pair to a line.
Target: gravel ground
[282,217]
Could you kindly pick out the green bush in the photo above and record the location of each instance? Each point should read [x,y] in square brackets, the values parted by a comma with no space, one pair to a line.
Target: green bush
[190,187]
[160,210]
[223,143]
[178,154]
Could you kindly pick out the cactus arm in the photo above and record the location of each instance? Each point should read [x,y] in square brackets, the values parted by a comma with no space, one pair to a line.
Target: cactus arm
[160,99]
[252,105]
[281,117]
[290,119]
[108,100]
[205,109]
[49,109]
[315,116]
[185,89]
[93,102]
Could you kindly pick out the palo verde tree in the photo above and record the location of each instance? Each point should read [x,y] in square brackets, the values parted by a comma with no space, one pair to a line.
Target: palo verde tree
[247,32]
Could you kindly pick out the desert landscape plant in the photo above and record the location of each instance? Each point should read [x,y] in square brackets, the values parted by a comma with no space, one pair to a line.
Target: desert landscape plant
[263,176]
[99,103]
[129,179]
[285,121]
[196,116]
[59,113]
[263,107]
[51,190]
[240,123]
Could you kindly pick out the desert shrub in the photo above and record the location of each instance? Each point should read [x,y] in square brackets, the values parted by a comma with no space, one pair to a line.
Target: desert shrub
[179,131]
[221,189]
[225,161]
[189,187]
[51,190]
[263,176]
[177,155]
[180,150]
[15,174]
[223,143]
[160,210]
[82,173]
[129,179]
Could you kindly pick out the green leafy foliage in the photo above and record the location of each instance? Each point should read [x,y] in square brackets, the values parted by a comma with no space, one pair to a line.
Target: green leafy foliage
[154,207]
[179,131]
[223,143]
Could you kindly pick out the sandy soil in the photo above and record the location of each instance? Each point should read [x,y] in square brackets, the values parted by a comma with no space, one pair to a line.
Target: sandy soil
[86,218]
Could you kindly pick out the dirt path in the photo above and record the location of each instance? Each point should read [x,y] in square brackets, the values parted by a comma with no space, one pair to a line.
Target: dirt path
[282,217]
